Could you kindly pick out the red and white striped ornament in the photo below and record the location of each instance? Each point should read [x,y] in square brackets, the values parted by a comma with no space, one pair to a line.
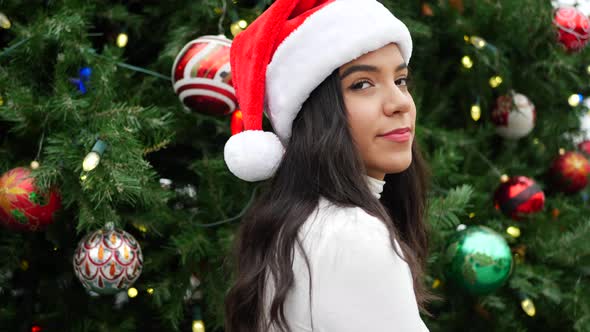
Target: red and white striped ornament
[201,76]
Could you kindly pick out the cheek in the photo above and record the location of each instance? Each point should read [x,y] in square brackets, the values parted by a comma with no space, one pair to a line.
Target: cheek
[362,117]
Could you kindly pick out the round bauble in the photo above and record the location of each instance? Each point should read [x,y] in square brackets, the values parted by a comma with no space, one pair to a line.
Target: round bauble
[478,260]
[518,197]
[514,116]
[569,172]
[201,76]
[573,28]
[22,206]
[108,260]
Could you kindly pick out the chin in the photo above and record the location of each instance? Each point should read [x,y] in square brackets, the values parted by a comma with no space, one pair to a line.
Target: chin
[399,165]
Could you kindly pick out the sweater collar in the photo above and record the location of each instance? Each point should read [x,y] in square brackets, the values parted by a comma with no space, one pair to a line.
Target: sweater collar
[375,186]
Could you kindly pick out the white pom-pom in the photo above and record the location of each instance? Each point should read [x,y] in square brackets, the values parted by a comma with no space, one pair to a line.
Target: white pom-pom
[253,155]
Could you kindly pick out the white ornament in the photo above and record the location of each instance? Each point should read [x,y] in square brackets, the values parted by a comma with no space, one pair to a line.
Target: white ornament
[514,116]
[582,5]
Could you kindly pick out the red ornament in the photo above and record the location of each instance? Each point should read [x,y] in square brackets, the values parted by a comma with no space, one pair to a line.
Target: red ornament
[237,124]
[570,171]
[36,328]
[201,76]
[573,28]
[584,147]
[518,197]
[22,207]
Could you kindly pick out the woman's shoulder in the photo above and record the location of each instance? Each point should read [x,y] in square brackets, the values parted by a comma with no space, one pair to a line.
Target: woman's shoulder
[332,226]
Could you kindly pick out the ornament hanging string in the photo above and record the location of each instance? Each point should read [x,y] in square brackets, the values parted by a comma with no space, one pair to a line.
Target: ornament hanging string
[40,145]
[239,215]
[132,67]
[220,23]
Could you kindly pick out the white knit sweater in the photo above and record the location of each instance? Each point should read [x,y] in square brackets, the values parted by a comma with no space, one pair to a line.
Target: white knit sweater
[359,284]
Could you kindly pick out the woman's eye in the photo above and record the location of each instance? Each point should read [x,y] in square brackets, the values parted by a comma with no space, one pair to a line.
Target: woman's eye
[406,81]
[359,85]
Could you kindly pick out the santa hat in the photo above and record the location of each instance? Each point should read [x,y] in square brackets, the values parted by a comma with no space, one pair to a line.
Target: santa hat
[284,55]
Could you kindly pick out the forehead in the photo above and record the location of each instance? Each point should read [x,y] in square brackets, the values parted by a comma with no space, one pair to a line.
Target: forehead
[388,55]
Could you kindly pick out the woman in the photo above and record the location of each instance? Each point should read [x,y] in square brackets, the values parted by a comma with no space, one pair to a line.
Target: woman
[337,242]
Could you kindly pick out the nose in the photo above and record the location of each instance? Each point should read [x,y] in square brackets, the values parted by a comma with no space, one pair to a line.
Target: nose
[396,100]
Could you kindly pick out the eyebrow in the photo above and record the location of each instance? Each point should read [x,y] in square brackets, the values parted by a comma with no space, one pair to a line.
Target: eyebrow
[368,68]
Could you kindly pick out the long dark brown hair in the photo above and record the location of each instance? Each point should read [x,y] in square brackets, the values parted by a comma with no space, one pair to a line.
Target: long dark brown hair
[320,160]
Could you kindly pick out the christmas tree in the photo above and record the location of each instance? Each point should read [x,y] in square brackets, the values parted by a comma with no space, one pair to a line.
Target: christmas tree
[118,212]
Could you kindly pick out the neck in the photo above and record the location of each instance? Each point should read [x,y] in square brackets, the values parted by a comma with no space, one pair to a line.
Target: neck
[375,185]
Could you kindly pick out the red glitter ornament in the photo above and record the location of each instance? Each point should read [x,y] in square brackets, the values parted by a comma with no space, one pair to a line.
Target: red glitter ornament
[584,147]
[573,28]
[518,197]
[201,76]
[569,172]
[237,124]
[22,207]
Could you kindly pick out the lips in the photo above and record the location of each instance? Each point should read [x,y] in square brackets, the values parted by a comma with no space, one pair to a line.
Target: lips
[397,131]
[399,135]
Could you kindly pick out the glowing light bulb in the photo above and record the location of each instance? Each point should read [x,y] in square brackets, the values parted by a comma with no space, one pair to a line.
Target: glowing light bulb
[435,283]
[242,24]
[198,326]
[122,40]
[91,161]
[575,99]
[24,265]
[561,151]
[588,69]
[467,62]
[4,22]
[475,112]
[528,306]
[495,81]
[513,231]
[34,164]
[504,178]
[238,27]
[478,42]
[150,291]
[132,292]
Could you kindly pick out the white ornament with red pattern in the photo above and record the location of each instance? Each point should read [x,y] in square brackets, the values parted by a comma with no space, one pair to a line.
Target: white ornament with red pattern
[108,260]
[201,76]
[514,115]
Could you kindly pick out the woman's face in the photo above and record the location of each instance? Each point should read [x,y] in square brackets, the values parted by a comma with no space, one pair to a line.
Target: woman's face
[377,100]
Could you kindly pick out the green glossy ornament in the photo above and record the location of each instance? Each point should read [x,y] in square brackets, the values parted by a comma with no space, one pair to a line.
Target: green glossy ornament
[478,260]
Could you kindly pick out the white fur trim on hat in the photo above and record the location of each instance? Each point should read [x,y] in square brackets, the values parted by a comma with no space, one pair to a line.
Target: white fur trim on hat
[333,36]
[253,155]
